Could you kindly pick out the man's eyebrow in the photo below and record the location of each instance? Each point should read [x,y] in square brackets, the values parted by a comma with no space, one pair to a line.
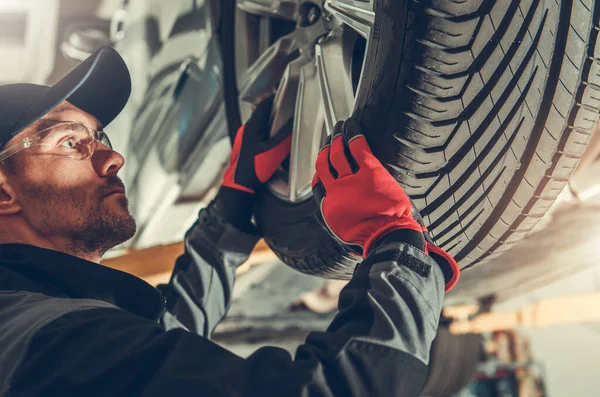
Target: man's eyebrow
[44,124]
[98,124]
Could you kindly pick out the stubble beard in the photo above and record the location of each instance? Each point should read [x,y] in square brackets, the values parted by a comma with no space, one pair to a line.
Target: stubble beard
[103,229]
[87,222]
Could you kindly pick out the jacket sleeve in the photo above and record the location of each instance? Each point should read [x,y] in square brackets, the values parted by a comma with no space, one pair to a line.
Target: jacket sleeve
[199,291]
[378,345]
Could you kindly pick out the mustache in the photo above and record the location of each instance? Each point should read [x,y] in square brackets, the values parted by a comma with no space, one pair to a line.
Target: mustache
[112,183]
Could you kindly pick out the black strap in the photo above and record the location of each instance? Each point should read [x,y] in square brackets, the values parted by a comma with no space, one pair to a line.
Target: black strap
[226,33]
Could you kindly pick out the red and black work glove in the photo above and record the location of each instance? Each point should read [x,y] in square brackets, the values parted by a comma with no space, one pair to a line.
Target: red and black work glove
[255,157]
[361,204]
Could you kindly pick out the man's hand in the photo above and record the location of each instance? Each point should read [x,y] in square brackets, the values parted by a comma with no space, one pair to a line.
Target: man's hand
[361,204]
[359,200]
[254,159]
[255,156]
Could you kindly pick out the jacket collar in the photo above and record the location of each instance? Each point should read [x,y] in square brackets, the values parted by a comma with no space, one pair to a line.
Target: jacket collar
[26,267]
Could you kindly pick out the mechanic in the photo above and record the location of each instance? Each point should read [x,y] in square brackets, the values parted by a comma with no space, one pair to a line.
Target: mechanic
[72,327]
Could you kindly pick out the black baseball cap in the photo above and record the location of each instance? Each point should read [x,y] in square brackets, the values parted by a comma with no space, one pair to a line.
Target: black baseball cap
[100,86]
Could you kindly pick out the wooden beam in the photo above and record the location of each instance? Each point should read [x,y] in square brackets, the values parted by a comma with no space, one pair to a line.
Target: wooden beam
[574,309]
[155,264]
[460,312]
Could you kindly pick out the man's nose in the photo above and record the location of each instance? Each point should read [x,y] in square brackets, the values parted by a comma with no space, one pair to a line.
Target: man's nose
[107,162]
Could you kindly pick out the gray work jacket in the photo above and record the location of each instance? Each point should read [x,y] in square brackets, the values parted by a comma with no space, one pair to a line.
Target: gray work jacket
[69,327]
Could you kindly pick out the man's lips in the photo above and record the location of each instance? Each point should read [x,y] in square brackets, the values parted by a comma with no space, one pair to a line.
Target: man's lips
[115,191]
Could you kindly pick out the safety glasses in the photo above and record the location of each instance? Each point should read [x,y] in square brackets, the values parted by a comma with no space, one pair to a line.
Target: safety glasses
[68,139]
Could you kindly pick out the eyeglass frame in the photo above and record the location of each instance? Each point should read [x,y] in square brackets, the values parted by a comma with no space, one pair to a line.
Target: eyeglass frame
[32,141]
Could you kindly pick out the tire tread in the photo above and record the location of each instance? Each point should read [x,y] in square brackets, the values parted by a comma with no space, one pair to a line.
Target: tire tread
[488,115]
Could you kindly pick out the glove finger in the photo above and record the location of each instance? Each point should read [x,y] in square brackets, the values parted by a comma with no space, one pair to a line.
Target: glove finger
[352,129]
[266,163]
[237,145]
[319,194]
[337,156]
[337,131]
[229,175]
[264,107]
[357,142]
[280,136]
[315,179]
[259,121]
[322,166]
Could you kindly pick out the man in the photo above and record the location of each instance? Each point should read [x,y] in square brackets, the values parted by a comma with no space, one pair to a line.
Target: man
[71,327]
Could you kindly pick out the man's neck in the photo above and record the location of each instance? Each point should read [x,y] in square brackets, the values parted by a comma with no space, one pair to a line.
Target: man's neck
[13,234]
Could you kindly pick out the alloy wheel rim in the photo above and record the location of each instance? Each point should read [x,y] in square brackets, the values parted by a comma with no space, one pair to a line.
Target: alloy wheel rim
[316,70]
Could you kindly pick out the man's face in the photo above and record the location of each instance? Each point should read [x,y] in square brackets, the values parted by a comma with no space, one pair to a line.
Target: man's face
[68,198]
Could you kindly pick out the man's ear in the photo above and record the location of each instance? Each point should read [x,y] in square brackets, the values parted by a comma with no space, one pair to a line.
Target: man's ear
[9,202]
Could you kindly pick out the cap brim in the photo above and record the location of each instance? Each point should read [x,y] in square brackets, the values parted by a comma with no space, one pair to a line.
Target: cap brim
[100,86]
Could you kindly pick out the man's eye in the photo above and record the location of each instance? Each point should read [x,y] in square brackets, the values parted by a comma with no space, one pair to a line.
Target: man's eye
[68,143]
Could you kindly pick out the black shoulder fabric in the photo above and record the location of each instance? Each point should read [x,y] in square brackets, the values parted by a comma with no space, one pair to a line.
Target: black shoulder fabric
[110,352]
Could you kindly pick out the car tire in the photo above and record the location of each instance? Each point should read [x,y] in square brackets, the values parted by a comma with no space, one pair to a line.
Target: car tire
[479,108]
[452,362]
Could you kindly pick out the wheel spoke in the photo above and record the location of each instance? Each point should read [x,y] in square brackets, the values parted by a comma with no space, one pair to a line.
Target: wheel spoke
[283,9]
[285,99]
[359,15]
[335,83]
[291,103]
[264,74]
[308,134]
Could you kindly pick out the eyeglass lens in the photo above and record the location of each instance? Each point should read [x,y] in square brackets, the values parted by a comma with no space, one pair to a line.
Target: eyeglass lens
[74,140]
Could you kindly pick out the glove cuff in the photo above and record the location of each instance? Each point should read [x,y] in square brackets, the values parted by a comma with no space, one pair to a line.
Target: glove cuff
[446,262]
[236,207]
[407,236]
[417,239]
[404,224]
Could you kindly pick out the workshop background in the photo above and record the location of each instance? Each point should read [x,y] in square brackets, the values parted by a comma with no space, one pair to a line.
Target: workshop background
[168,180]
